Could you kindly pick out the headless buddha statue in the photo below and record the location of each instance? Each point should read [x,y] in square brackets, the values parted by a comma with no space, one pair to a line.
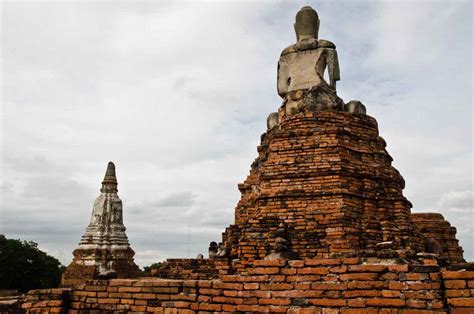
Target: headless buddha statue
[301,73]
[303,64]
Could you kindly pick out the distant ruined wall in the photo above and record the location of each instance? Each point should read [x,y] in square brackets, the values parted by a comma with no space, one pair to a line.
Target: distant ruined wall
[434,226]
[297,286]
[192,268]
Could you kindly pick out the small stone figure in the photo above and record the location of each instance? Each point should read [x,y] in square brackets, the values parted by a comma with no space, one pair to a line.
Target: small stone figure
[433,246]
[281,247]
[222,252]
[272,120]
[355,106]
[213,249]
[109,274]
[200,256]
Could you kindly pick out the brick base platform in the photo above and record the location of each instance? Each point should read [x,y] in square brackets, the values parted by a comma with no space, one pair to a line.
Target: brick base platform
[348,285]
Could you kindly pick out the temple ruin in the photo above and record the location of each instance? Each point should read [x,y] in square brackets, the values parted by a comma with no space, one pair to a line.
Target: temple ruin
[104,251]
[322,225]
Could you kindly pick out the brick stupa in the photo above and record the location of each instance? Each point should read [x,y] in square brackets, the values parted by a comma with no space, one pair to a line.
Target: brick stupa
[323,184]
[104,250]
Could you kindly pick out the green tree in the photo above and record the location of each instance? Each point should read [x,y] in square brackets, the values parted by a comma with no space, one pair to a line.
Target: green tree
[147,269]
[24,267]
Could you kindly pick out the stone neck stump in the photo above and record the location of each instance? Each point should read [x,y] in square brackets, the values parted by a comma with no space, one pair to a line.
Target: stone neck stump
[104,250]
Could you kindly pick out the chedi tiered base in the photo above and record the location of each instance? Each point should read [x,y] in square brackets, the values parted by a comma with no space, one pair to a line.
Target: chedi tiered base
[327,180]
[104,250]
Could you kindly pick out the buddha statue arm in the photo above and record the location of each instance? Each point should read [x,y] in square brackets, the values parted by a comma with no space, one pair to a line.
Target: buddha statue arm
[333,68]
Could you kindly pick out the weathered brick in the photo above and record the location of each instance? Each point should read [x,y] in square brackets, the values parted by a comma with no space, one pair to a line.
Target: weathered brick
[96,288]
[458,274]
[141,302]
[229,308]
[252,308]
[229,286]
[121,282]
[322,261]
[385,302]
[313,271]
[129,289]
[397,285]
[251,286]
[276,286]
[288,271]
[419,304]
[144,296]
[107,301]
[296,263]
[391,293]
[300,278]
[227,300]
[359,276]
[351,261]
[274,263]
[127,301]
[231,293]
[274,301]
[367,284]
[362,293]
[328,286]
[302,285]
[359,302]
[430,262]
[338,270]
[210,307]
[138,308]
[367,268]
[455,284]
[461,302]
[264,271]
[328,302]
[417,276]
[359,311]
[422,286]
[298,310]
[460,310]
[207,291]
[403,268]
[277,278]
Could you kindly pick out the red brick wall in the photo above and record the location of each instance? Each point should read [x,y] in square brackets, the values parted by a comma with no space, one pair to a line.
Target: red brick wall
[459,290]
[298,286]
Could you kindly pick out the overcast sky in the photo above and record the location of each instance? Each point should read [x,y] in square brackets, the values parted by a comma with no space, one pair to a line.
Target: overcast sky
[177,95]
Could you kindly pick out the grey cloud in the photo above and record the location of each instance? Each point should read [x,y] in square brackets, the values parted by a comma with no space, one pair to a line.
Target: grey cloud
[182,199]
[457,200]
[5,186]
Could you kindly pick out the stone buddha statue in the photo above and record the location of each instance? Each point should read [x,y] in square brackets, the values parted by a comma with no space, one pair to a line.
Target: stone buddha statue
[302,65]
[301,73]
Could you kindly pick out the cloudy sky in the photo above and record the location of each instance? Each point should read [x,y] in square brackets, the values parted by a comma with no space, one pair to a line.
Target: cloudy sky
[177,95]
